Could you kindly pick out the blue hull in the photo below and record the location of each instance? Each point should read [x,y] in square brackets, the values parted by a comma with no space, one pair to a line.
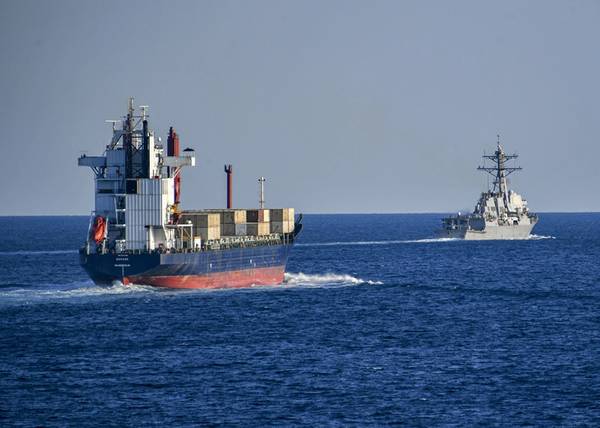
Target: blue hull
[206,269]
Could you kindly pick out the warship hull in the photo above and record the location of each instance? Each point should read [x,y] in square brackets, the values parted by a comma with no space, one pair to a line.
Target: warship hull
[521,231]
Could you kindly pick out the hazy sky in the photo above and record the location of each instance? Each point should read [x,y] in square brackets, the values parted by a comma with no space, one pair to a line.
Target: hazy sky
[344,106]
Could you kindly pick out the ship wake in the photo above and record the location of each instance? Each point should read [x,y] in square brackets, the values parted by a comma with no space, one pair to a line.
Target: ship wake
[388,242]
[412,241]
[76,290]
[328,279]
[36,253]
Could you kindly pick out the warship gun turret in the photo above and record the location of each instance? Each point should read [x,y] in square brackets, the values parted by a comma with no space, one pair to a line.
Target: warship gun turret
[500,213]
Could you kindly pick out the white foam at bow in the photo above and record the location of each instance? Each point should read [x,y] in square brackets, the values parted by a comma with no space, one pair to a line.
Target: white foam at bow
[536,237]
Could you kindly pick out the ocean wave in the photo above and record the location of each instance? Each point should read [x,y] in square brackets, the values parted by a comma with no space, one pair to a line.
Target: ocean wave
[411,241]
[538,237]
[388,242]
[35,253]
[430,240]
[69,291]
[300,278]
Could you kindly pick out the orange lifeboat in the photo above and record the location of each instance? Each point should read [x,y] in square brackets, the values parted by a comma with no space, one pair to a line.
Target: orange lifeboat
[98,229]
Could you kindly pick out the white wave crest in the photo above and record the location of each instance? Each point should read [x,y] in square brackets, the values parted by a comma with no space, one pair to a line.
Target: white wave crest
[342,243]
[69,291]
[324,279]
[534,237]
[389,242]
[430,240]
[412,241]
[35,253]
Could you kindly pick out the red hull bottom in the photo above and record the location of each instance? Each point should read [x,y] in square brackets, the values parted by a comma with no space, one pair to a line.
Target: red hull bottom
[234,279]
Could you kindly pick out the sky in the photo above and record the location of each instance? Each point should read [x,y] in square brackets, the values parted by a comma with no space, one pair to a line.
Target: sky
[344,106]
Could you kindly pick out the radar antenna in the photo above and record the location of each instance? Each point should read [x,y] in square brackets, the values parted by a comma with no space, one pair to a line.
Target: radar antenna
[113,122]
[144,112]
[499,171]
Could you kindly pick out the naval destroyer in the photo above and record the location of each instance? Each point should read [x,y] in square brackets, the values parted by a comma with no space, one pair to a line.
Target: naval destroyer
[500,213]
[139,234]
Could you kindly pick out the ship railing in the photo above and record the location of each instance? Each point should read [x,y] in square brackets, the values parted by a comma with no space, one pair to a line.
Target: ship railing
[210,245]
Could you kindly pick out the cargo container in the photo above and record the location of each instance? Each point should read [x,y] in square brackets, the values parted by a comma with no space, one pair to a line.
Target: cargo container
[234,216]
[228,229]
[228,216]
[258,229]
[282,214]
[282,226]
[208,233]
[201,219]
[257,216]
[241,229]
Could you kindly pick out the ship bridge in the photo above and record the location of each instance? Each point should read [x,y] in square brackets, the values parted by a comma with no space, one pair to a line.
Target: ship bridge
[137,185]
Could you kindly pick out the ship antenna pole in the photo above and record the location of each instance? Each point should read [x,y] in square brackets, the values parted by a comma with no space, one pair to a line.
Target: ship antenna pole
[144,112]
[500,173]
[130,111]
[261,200]
[128,143]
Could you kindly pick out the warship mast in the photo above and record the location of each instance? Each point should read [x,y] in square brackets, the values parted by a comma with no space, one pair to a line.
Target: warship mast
[500,171]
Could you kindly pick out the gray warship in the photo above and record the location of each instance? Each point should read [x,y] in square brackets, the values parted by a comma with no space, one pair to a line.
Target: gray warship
[500,213]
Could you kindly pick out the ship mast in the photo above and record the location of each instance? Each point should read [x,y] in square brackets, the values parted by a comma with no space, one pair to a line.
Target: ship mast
[500,171]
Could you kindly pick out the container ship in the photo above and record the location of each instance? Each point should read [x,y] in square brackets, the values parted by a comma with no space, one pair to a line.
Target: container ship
[500,213]
[139,233]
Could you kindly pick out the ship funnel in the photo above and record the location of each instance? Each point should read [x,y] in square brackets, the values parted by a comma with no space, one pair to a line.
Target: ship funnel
[173,150]
[229,172]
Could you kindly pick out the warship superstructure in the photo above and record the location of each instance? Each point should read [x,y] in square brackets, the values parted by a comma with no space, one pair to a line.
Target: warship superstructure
[500,213]
[139,234]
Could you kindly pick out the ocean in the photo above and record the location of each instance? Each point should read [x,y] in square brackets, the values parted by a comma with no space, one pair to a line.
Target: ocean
[378,323]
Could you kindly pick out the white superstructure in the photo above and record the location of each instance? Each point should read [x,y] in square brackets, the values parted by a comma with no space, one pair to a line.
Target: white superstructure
[137,186]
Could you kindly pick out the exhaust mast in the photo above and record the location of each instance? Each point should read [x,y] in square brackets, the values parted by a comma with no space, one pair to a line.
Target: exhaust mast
[173,150]
[229,172]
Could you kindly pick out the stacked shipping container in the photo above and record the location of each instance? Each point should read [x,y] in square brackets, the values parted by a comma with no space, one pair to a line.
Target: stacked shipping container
[258,222]
[207,225]
[239,222]
[282,220]
[233,222]
[257,216]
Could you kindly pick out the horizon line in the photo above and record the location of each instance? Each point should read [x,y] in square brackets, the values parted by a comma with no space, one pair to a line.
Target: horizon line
[321,213]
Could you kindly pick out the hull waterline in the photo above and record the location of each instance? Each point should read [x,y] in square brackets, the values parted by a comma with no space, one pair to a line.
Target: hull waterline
[234,268]
[234,279]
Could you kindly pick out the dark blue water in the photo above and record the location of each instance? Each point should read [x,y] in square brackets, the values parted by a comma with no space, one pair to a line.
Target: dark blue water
[376,325]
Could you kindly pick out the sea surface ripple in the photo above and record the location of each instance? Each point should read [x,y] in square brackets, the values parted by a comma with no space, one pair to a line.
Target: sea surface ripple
[377,323]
